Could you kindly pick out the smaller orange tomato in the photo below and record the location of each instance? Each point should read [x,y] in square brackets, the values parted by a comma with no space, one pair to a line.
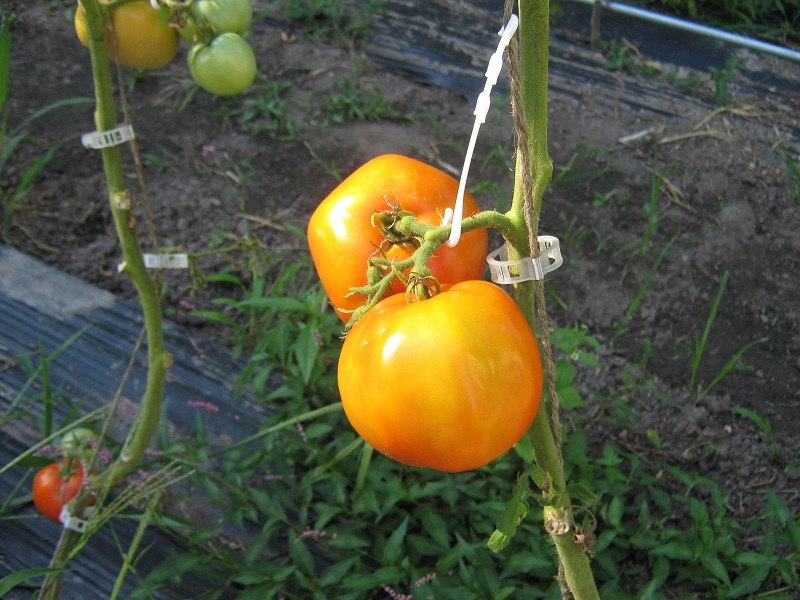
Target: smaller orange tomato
[342,238]
[143,38]
[54,486]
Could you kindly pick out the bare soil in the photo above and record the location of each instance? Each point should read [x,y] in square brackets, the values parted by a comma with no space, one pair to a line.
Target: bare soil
[726,198]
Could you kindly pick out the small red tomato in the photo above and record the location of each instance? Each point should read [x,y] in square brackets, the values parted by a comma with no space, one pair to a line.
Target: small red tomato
[54,486]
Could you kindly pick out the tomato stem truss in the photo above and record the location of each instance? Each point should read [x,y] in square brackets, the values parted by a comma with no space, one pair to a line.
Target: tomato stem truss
[401,226]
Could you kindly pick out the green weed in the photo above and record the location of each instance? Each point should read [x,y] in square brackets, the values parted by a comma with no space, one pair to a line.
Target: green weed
[332,21]
[348,100]
[734,363]
[721,77]
[651,213]
[573,171]
[793,168]
[622,55]
[11,139]
[266,110]
[772,19]
[622,326]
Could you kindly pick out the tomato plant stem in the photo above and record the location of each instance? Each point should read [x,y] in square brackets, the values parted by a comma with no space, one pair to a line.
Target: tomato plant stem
[133,265]
[534,170]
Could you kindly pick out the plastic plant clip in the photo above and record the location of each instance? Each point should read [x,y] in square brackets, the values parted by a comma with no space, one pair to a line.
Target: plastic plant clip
[526,268]
[104,139]
[72,522]
[481,110]
[166,261]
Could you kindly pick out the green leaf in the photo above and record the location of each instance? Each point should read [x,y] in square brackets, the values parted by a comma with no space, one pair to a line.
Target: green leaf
[714,566]
[778,507]
[335,572]
[26,182]
[660,574]
[394,545]
[614,512]
[302,558]
[435,526]
[565,374]
[571,399]
[749,581]
[306,351]
[5,59]
[674,550]
[754,559]
[368,581]
[287,304]
[9,582]
[524,449]
[348,541]
[581,492]
[793,529]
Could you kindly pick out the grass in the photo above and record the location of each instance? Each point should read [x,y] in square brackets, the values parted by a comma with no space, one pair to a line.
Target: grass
[11,140]
[774,20]
[734,363]
[793,169]
[331,21]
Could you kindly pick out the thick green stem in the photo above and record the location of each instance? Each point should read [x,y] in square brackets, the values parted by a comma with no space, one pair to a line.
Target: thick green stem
[132,265]
[524,214]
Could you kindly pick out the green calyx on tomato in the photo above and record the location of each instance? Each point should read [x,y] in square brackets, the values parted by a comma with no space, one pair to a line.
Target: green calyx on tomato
[77,444]
[217,17]
[448,383]
[344,235]
[225,66]
[55,485]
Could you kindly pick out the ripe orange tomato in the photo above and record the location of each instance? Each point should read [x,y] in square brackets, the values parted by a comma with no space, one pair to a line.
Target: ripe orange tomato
[342,238]
[449,383]
[54,486]
[143,38]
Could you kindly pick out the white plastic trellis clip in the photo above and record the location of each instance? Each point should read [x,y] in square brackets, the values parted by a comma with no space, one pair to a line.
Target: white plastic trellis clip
[70,521]
[104,139]
[527,268]
[166,261]
[481,110]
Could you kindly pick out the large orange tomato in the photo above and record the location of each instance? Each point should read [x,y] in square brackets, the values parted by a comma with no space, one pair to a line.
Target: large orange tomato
[143,38]
[342,237]
[449,383]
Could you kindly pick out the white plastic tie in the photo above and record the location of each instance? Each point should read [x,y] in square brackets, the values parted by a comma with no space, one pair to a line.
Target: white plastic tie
[526,268]
[70,521]
[481,110]
[166,261]
[104,139]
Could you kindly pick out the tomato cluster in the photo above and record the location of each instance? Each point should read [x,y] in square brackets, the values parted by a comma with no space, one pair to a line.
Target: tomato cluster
[220,60]
[450,382]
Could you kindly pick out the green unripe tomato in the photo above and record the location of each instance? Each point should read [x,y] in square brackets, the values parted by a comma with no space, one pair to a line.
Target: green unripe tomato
[225,67]
[223,16]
